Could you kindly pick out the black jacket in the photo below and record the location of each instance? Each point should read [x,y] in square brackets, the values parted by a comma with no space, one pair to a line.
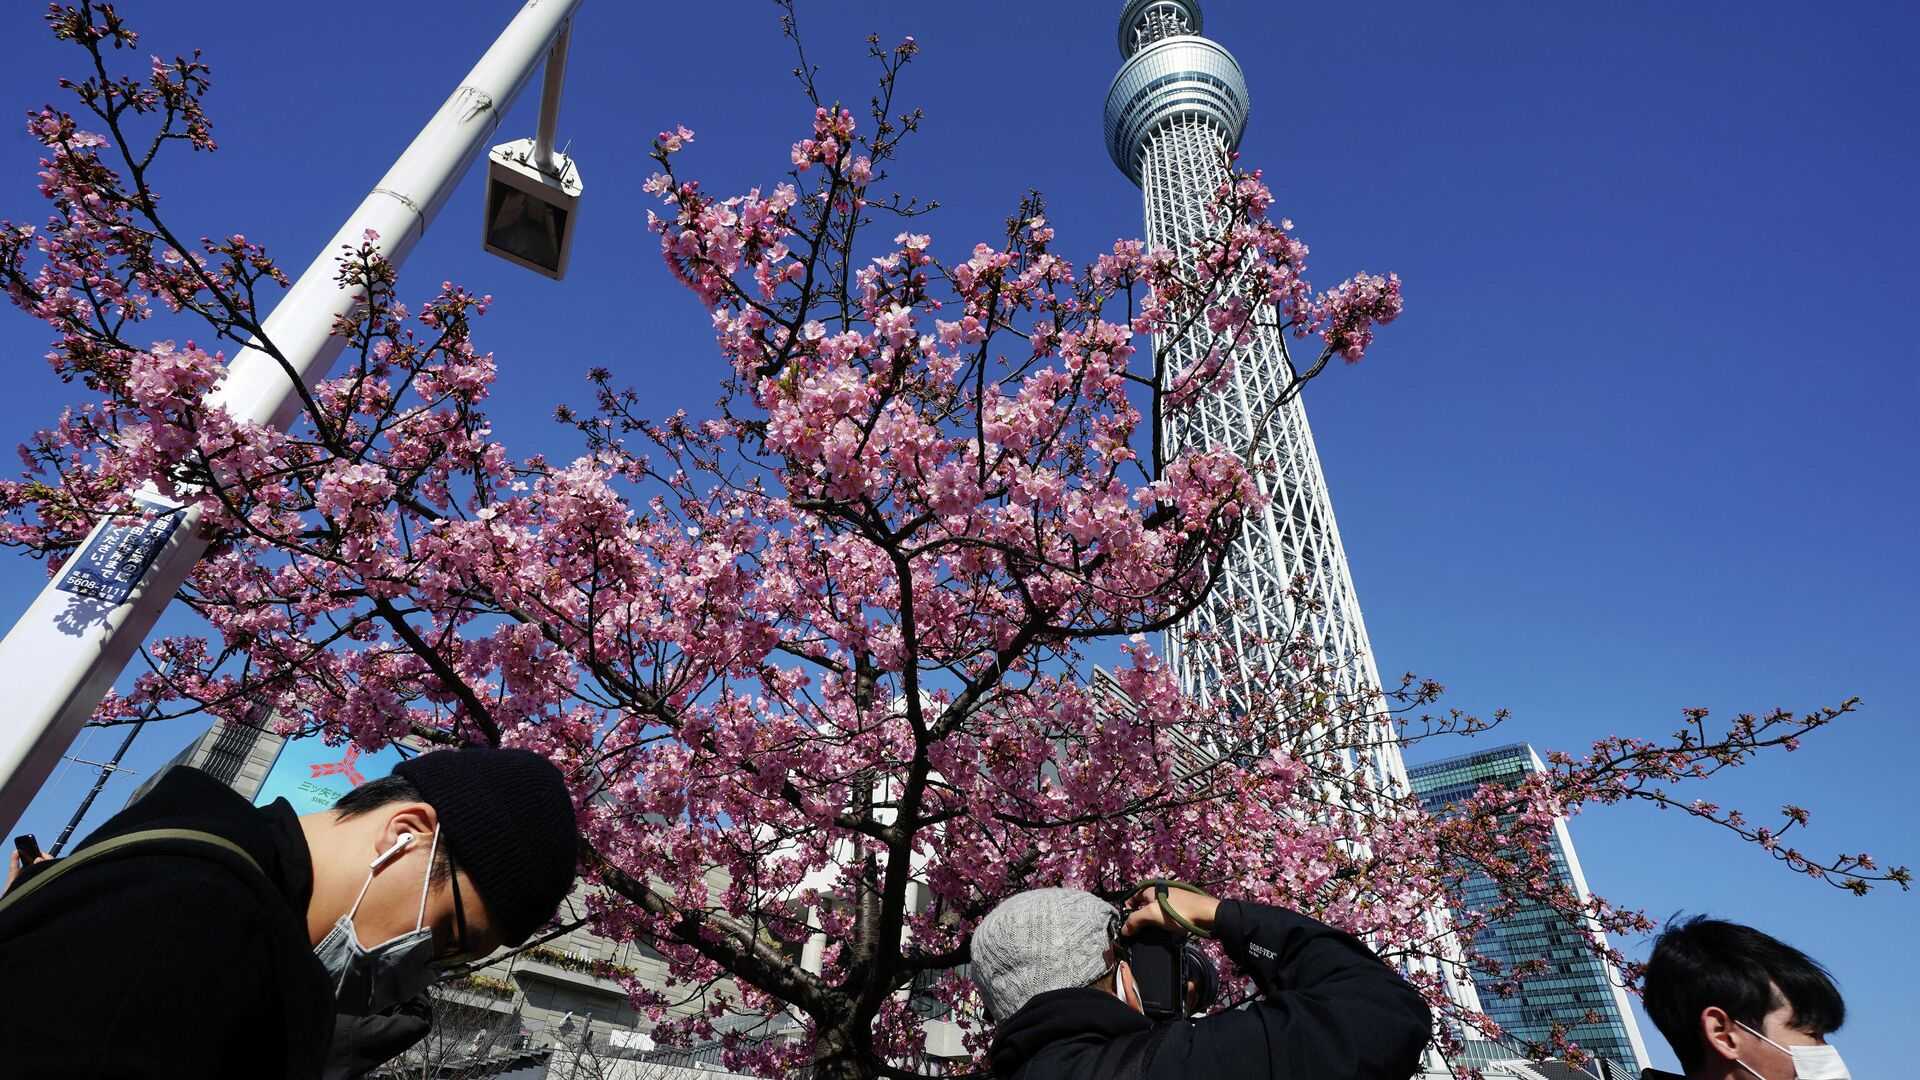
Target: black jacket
[166,962]
[1331,1011]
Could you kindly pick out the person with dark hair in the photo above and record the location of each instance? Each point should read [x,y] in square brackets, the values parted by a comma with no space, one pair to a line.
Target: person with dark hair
[1736,1004]
[196,935]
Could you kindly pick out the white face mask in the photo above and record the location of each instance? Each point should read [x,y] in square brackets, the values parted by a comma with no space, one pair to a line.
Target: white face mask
[1816,1062]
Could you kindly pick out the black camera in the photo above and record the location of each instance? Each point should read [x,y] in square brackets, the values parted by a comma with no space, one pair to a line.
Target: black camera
[1175,977]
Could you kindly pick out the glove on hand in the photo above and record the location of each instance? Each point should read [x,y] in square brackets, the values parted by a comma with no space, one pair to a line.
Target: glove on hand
[364,1043]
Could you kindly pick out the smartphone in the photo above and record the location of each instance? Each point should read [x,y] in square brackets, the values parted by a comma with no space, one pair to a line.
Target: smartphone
[28,847]
[1156,958]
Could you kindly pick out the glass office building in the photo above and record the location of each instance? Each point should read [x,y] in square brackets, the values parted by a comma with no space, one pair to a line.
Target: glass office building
[1577,982]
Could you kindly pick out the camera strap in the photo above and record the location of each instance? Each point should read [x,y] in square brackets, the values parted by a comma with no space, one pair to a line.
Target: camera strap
[1160,888]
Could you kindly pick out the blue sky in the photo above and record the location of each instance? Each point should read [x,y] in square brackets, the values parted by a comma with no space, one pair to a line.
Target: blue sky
[1644,439]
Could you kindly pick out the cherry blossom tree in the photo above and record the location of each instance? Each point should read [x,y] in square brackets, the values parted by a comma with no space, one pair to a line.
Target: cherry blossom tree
[819,661]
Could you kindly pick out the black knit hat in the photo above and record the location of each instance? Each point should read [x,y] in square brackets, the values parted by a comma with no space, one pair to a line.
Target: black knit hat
[508,821]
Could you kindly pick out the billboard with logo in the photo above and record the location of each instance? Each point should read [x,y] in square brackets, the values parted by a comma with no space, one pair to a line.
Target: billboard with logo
[312,775]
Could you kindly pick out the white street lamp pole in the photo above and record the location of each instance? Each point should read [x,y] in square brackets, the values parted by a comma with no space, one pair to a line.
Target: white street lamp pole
[65,652]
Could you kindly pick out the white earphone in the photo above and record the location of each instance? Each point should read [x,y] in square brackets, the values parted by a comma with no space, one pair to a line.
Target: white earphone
[392,853]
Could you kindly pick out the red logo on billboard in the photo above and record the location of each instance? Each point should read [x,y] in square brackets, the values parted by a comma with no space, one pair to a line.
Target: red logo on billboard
[344,767]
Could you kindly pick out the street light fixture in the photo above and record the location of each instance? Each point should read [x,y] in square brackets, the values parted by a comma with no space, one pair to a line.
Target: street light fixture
[533,191]
[529,211]
[69,646]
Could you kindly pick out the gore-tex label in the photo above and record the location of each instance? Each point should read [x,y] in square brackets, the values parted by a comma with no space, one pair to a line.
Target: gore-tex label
[119,553]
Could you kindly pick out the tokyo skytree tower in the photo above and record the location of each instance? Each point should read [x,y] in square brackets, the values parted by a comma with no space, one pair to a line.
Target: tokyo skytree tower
[1177,105]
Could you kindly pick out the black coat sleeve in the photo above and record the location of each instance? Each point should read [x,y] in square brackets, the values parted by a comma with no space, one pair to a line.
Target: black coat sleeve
[1331,1009]
[146,967]
[362,1044]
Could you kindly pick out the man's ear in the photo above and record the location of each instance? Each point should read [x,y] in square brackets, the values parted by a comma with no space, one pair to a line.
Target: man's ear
[416,818]
[1129,986]
[1717,1033]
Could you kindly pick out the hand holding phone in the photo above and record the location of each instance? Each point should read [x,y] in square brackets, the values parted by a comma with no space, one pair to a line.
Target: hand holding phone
[26,852]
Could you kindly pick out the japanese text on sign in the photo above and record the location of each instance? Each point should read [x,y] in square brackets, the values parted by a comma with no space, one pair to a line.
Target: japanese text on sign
[118,554]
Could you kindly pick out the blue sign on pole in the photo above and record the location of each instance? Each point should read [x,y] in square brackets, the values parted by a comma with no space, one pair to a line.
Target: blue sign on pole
[312,775]
[116,557]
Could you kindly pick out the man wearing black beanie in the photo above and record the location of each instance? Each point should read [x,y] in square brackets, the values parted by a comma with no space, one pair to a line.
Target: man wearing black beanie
[206,937]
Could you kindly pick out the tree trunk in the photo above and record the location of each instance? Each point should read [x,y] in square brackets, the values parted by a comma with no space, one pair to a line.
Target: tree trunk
[844,1053]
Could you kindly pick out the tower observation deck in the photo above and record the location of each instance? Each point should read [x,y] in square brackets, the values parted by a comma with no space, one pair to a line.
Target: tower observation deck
[1176,108]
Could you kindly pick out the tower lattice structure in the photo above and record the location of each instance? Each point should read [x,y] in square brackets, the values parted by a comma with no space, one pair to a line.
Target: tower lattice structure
[1176,108]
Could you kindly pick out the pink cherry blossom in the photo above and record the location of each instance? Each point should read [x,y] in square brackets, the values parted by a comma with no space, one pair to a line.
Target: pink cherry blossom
[818,663]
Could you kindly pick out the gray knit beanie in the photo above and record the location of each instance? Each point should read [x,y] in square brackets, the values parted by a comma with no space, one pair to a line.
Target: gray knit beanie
[1040,940]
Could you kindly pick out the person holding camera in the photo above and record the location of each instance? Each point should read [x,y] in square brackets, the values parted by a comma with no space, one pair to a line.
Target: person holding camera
[1079,990]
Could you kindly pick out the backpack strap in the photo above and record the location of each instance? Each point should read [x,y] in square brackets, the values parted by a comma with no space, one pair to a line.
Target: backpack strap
[119,845]
[306,1043]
